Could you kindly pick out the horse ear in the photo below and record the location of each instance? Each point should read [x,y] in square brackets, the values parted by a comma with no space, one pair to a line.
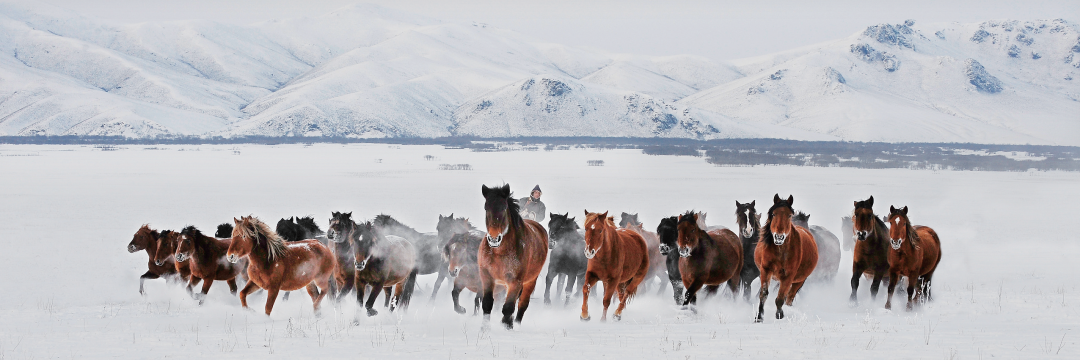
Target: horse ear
[700,221]
[752,203]
[586,212]
[484,190]
[236,221]
[738,205]
[870,201]
[776,199]
[505,190]
[791,199]
[604,214]
[892,209]
[904,211]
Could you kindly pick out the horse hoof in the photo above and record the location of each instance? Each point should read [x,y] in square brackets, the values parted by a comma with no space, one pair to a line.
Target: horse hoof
[372,312]
[547,301]
[617,317]
[509,325]
[586,318]
[460,310]
[758,320]
[779,315]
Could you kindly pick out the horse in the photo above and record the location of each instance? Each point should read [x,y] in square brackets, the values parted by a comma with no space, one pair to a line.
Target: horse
[916,258]
[567,245]
[148,239]
[224,230]
[786,252]
[707,258]
[296,229]
[618,257]
[749,231]
[668,231]
[274,265]
[512,254]
[383,261]
[165,255]
[343,232]
[871,248]
[449,226]
[207,263]
[428,248]
[828,247]
[461,253]
[845,229]
[656,261]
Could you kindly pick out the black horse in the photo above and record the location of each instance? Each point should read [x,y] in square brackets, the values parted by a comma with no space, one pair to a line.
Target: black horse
[567,256]
[224,231]
[668,230]
[429,247]
[749,221]
[828,249]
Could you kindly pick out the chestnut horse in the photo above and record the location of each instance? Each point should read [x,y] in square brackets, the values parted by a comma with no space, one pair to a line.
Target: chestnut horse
[166,255]
[668,232]
[148,239]
[274,265]
[786,252]
[749,221]
[618,257]
[871,248]
[657,266]
[384,261]
[512,254]
[208,262]
[916,258]
[707,258]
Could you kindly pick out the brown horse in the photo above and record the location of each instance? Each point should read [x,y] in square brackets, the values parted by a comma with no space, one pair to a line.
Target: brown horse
[512,254]
[208,262]
[274,265]
[461,253]
[147,239]
[916,258]
[343,232]
[165,255]
[618,257]
[785,252]
[707,258]
[871,248]
[657,262]
[383,261]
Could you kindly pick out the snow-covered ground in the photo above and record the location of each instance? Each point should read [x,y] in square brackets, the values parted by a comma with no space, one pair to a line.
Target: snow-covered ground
[1005,287]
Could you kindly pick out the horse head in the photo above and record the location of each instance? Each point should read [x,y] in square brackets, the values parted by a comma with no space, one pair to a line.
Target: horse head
[863,219]
[185,243]
[748,219]
[287,229]
[364,246]
[244,237]
[223,231]
[449,226]
[627,219]
[668,231]
[899,227]
[457,253]
[501,212]
[342,228]
[691,229]
[144,238]
[779,222]
[559,226]
[310,228]
[166,246]
[595,225]
[801,219]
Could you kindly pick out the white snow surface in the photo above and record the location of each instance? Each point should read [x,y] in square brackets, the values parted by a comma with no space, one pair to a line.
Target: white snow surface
[1004,288]
[369,71]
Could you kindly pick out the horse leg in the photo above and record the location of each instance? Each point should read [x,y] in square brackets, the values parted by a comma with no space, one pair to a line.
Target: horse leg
[857,271]
[609,291]
[663,285]
[795,287]
[562,280]
[621,290]
[232,285]
[285,297]
[323,288]
[877,283]
[147,275]
[691,293]
[386,298]
[513,291]
[547,289]
[455,293]
[250,287]
[399,290]
[586,286]
[711,290]
[763,294]
[892,288]
[205,289]
[523,300]
[376,288]
[271,297]
[781,297]
[438,282]
[569,287]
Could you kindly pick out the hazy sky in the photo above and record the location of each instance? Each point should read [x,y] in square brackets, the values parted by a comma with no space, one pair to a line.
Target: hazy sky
[720,30]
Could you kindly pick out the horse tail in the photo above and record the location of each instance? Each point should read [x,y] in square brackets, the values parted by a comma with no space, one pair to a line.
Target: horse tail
[410,285]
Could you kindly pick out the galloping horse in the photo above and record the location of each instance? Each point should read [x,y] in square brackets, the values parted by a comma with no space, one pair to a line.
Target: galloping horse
[707,258]
[148,239]
[618,257]
[461,253]
[168,241]
[512,254]
[343,232]
[828,247]
[916,258]
[749,231]
[208,263]
[383,261]
[568,260]
[449,226]
[656,261]
[785,252]
[668,231]
[871,249]
[274,265]
[428,248]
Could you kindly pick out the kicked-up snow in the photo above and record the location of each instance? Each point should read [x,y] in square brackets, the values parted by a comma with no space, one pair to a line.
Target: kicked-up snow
[1004,288]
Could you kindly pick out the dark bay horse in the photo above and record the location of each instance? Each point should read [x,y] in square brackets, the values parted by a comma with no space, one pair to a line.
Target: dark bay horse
[205,257]
[383,261]
[275,265]
[749,221]
[299,228]
[567,247]
[915,252]
[166,255]
[224,230]
[786,252]
[657,266]
[871,248]
[512,254]
[148,239]
[828,247]
[668,232]
[707,258]
[618,257]
[343,232]
[429,259]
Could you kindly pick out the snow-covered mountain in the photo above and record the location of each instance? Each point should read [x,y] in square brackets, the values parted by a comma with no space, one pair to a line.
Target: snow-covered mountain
[369,71]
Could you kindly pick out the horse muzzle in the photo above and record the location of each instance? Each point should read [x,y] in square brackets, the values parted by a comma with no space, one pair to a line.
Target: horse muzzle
[132,249]
[747,233]
[895,243]
[333,236]
[779,239]
[684,251]
[455,272]
[494,242]
[589,254]
[159,262]
[861,235]
[231,257]
[664,249]
[551,244]
[360,265]
[183,257]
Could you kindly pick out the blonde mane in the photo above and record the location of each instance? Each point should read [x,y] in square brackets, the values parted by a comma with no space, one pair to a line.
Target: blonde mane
[250,227]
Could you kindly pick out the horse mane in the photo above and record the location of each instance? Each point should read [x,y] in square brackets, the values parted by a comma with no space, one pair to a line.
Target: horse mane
[385,221]
[275,246]
[801,219]
[514,217]
[195,234]
[224,230]
[913,237]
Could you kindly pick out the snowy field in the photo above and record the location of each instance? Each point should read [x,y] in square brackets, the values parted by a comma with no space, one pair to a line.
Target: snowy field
[1006,287]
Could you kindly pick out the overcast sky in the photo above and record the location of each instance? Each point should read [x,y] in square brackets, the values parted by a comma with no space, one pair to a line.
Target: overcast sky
[721,30]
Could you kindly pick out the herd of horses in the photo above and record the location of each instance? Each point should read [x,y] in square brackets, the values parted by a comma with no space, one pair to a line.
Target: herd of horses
[506,257]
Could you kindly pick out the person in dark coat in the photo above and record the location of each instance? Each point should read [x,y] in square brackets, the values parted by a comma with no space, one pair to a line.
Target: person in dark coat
[531,206]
